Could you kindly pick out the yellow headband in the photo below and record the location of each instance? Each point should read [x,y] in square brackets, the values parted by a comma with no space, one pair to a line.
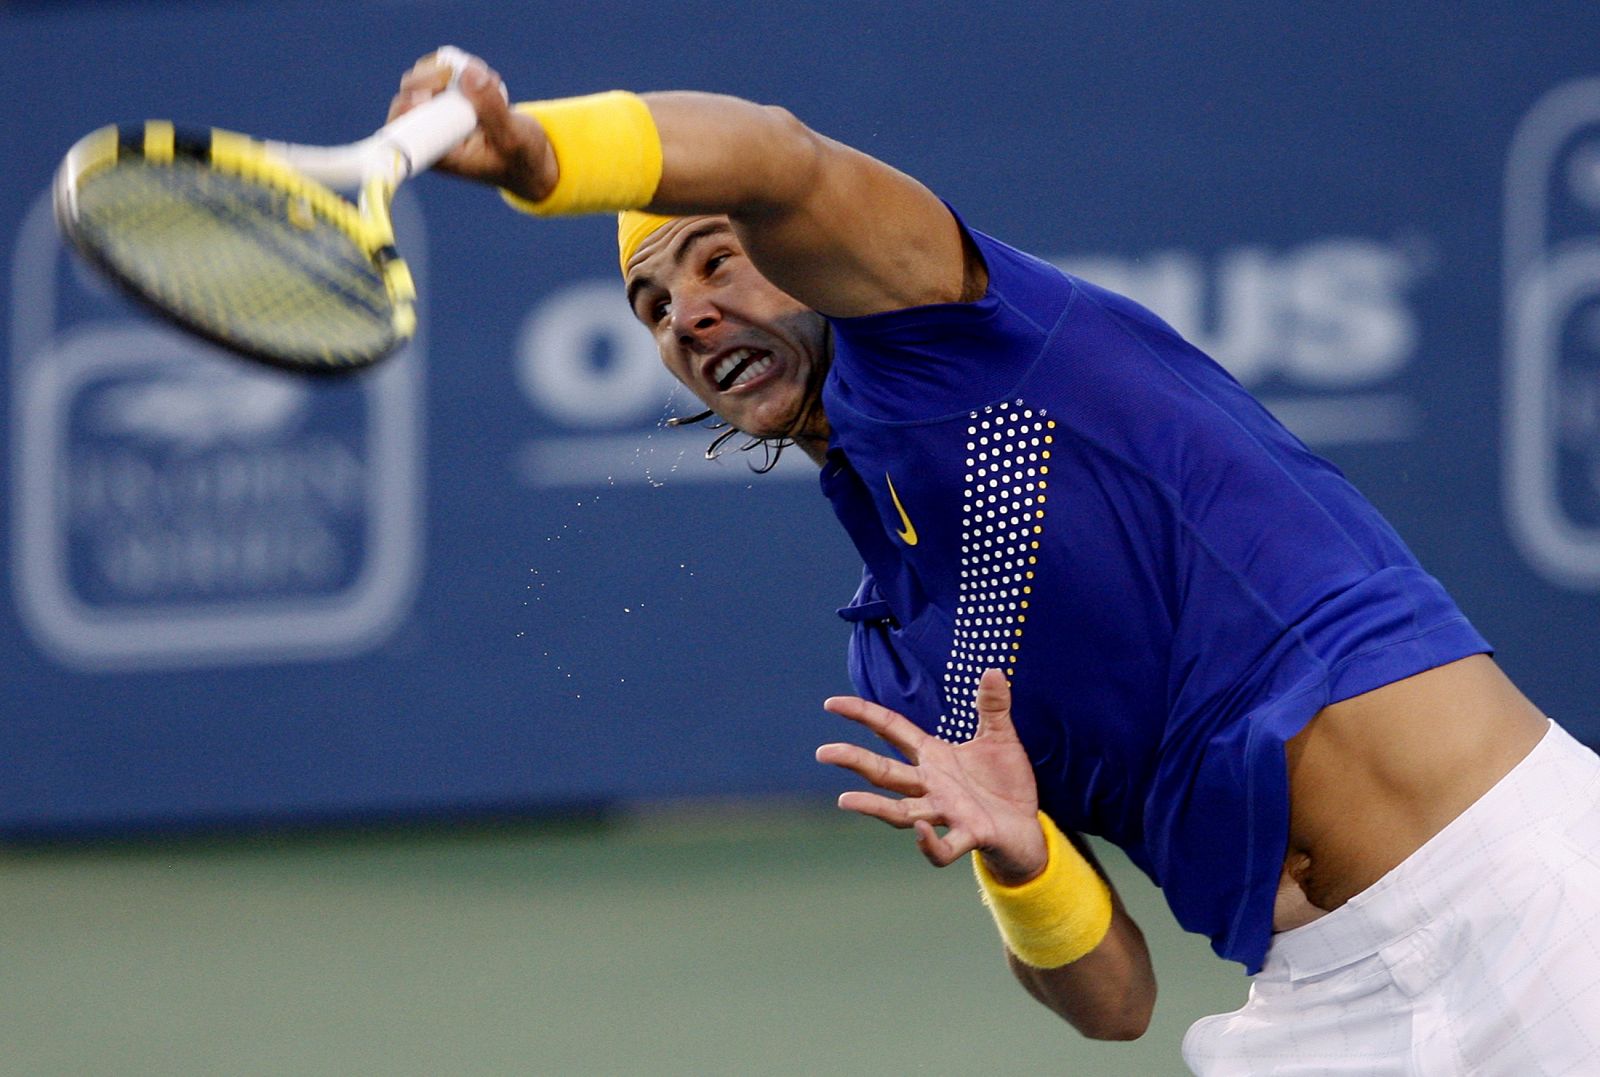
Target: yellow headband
[634,226]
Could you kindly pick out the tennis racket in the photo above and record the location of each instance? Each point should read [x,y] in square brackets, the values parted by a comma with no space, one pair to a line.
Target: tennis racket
[246,243]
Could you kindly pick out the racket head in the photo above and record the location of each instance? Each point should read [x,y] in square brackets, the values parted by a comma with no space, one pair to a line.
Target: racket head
[209,230]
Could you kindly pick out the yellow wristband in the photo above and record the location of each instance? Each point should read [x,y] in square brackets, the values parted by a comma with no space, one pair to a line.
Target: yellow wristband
[1056,918]
[608,153]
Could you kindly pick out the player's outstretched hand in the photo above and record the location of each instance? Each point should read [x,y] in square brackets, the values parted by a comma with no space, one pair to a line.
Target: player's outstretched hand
[509,148]
[982,792]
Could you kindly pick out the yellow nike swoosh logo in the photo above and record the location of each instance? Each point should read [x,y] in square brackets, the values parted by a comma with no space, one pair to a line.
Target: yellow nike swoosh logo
[908,533]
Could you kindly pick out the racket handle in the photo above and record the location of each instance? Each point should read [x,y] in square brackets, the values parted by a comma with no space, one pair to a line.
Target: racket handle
[430,130]
[398,151]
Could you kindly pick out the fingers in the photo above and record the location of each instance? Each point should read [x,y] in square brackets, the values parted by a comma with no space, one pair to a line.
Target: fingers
[896,813]
[915,815]
[404,101]
[894,728]
[515,137]
[508,149]
[430,76]
[994,704]
[880,770]
[901,814]
[426,78]
[484,88]
[942,850]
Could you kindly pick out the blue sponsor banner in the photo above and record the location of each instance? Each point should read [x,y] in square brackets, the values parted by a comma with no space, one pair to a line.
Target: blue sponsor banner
[484,577]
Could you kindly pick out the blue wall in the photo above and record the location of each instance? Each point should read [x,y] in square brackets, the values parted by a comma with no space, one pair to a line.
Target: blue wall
[484,578]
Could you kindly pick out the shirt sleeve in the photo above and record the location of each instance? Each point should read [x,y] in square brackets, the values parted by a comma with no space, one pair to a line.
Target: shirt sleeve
[931,361]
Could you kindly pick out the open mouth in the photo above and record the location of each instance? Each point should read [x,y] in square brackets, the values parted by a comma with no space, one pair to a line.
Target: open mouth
[739,366]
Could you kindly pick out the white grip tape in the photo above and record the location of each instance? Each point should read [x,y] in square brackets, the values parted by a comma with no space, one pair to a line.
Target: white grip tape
[431,130]
[411,144]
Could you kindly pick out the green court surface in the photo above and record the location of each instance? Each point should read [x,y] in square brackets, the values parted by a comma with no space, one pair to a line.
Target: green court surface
[685,942]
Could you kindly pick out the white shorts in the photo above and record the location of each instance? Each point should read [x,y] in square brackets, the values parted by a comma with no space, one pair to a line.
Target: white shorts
[1480,954]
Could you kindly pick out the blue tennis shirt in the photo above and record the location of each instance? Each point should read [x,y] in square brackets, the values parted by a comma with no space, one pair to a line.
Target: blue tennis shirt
[1051,481]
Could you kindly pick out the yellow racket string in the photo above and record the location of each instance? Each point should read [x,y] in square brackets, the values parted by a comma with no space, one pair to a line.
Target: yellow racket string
[247,158]
[239,291]
[367,224]
[326,302]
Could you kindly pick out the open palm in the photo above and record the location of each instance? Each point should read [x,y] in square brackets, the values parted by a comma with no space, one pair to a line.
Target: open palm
[982,791]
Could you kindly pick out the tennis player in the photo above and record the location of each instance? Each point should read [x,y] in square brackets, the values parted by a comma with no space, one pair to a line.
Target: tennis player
[1106,593]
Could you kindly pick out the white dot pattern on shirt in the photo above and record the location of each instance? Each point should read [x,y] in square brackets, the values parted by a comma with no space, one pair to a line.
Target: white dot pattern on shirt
[1002,521]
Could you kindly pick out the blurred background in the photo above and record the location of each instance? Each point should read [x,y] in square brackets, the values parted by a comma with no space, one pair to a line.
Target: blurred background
[459,717]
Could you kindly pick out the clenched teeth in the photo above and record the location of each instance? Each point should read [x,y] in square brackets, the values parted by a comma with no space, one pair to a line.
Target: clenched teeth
[738,367]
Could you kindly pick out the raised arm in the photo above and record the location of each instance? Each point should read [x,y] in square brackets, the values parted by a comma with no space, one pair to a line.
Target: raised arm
[840,231]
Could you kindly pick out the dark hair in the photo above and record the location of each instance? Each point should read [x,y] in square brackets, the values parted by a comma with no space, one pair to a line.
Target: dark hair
[772,447]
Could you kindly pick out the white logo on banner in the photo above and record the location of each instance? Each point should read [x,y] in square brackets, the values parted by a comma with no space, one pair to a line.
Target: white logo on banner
[175,508]
[1552,318]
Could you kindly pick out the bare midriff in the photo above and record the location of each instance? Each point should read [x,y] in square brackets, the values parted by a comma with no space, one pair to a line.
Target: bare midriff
[1372,778]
